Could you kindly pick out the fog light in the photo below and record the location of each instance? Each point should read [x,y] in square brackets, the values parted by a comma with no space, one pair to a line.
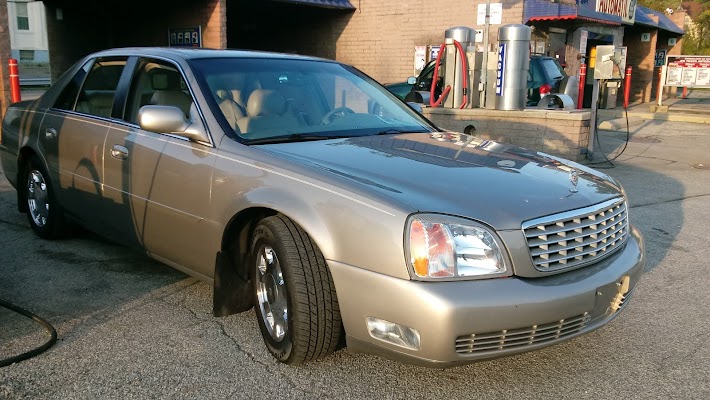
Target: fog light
[390,332]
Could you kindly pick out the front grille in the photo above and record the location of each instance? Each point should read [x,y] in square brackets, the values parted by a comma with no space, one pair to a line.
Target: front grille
[577,237]
[512,338]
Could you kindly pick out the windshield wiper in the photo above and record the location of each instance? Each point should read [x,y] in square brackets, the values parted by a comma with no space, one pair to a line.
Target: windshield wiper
[294,137]
[394,131]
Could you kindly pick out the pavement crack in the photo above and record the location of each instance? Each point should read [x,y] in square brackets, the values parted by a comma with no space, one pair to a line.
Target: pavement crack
[670,201]
[2,221]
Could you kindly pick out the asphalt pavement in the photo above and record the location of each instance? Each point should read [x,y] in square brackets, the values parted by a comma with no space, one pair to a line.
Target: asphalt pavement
[130,327]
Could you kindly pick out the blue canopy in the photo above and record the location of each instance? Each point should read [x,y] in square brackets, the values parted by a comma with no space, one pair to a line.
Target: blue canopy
[339,4]
[664,22]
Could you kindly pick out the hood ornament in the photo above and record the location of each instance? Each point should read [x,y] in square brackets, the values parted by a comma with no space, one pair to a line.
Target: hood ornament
[574,178]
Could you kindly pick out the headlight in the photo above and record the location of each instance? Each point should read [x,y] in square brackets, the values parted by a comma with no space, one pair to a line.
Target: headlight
[439,246]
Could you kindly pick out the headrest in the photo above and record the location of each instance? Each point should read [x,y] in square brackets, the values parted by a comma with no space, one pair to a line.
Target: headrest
[99,99]
[265,102]
[165,80]
[223,94]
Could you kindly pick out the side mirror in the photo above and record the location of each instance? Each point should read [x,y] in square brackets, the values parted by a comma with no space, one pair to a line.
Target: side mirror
[169,119]
[411,80]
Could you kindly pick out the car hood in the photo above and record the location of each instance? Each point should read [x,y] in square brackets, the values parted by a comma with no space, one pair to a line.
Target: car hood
[499,184]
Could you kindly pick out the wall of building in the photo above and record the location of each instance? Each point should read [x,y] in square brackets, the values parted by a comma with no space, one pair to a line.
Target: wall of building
[4,56]
[380,36]
[641,56]
[126,27]
[35,38]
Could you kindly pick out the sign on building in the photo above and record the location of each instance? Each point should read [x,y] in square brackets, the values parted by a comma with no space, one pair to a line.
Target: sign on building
[500,68]
[495,15]
[690,71]
[419,59]
[626,9]
[660,59]
[185,37]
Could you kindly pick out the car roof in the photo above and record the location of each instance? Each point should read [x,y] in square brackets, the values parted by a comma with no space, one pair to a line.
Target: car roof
[198,53]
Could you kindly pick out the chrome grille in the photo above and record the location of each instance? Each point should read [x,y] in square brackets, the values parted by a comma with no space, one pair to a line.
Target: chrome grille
[577,237]
[512,338]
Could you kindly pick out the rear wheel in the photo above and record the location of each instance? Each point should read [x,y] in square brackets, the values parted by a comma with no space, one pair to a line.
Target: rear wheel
[296,304]
[44,214]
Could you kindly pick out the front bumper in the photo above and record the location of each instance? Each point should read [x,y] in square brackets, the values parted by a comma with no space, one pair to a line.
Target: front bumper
[507,315]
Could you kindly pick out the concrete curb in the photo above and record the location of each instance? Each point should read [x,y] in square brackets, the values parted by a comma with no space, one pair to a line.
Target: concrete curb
[648,116]
[620,123]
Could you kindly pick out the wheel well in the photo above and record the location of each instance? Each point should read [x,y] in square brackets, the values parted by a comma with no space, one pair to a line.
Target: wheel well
[22,159]
[235,241]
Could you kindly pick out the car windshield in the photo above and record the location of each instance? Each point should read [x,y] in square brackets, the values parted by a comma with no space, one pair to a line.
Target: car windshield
[269,100]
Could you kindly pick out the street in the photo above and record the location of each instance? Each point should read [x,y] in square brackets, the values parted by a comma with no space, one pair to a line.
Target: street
[130,327]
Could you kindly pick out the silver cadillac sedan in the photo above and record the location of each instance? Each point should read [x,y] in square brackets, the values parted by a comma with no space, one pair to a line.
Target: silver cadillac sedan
[303,188]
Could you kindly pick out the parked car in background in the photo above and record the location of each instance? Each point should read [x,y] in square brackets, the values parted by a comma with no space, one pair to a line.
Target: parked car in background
[302,188]
[545,75]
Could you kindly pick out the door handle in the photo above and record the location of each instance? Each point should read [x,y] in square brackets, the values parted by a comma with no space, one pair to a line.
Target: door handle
[119,152]
[50,133]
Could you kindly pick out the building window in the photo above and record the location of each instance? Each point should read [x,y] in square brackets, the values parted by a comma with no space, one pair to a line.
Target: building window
[23,19]
[27,55]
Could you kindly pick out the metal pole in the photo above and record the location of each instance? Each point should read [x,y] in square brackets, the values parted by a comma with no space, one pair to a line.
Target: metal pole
[593,120]
[484,73]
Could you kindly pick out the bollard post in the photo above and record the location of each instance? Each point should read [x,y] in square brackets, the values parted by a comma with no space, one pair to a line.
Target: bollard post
[582,80]
[14,81]
[685,92]
[627,87]
[659,88]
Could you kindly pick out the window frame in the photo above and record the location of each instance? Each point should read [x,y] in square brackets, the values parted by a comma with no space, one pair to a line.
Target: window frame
[22,21]
[127,89]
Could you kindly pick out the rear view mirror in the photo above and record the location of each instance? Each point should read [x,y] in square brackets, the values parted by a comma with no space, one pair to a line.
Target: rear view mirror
[411,80]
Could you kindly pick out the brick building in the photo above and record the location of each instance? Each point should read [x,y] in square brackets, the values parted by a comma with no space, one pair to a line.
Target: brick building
[377,36]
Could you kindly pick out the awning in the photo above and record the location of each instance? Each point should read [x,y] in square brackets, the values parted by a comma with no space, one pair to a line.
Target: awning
[545,10]
[643,18]
[338,4]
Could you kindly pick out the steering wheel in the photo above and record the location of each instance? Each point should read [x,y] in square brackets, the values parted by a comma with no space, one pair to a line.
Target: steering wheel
[338,112]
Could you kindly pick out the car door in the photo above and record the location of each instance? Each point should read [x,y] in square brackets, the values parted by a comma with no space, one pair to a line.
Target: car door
[72,135]
[163,178]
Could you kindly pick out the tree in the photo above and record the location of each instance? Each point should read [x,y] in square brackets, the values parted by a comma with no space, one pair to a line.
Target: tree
[697,38]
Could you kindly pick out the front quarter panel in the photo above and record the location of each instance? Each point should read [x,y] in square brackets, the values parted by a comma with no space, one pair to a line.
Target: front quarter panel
[347,225]
[21,123]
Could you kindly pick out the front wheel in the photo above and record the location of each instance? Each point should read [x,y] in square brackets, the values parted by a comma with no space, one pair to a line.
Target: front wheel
[44,214]
[295,300]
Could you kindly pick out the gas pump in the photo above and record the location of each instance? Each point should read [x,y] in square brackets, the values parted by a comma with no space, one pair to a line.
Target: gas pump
[609,65]
[461,67]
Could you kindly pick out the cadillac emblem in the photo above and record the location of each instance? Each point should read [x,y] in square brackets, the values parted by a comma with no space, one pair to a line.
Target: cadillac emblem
[574,178]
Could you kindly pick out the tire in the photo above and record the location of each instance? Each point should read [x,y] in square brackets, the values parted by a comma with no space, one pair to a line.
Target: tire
[45,215]
[294,294]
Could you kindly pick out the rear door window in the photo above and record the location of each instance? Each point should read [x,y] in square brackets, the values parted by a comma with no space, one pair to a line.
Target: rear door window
[99,89]
[67,99]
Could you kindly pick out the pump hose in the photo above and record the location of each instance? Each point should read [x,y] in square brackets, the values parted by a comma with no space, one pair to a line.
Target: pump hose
[464,71]
[49,328]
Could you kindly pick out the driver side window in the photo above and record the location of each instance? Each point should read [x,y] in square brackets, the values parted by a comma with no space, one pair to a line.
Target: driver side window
[158,83]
